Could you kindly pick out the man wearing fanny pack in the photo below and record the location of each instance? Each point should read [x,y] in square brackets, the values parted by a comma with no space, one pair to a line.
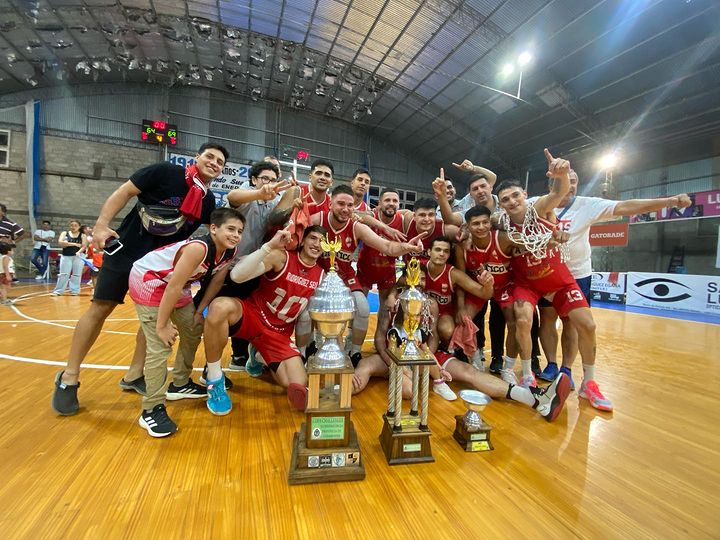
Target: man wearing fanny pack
[173,201]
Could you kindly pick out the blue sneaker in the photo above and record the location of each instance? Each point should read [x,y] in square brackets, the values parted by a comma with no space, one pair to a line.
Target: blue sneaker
[568,372]
[550,372]
[252,366]
[218,401]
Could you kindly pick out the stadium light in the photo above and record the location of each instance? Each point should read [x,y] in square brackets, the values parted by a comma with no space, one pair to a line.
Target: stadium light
[608,161]
[524,59]
[507,70]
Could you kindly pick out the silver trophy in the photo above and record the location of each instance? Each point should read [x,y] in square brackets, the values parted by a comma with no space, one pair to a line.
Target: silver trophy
[471,431]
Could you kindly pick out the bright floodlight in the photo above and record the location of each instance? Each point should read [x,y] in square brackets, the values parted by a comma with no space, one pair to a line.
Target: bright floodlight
[524,58]
[507,69]
[608,161]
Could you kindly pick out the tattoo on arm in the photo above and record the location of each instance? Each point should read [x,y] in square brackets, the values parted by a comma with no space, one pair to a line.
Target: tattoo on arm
[279,217]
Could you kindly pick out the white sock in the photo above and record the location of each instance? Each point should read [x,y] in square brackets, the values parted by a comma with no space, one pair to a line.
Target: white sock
[589,372]
[509,363]
[526,367]
[355,349]
[523,395]
[214,371]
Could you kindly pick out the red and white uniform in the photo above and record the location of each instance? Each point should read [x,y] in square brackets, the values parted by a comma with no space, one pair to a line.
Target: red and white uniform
[314,207]
[151,274]
[411,232]
[362,207]
[441,289]
[548,277]
[494,260]
[344,257]
[376,267]
[269,313]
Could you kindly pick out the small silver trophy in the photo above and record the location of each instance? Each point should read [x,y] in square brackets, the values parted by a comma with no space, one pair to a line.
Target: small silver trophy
[471,431]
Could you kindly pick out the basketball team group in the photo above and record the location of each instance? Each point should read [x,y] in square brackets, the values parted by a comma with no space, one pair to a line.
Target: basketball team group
[525,260]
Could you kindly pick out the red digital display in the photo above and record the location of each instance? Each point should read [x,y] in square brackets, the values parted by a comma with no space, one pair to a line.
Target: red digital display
[158,132]
[302,155]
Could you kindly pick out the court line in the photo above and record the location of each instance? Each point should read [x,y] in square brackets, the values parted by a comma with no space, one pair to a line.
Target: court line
[63,364]
[67,320]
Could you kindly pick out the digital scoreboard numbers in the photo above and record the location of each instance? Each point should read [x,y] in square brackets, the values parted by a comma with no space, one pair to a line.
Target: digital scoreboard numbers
[158,132]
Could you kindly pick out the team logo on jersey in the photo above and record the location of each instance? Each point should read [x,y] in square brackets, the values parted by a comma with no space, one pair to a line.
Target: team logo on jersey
[348,241]
[444,287]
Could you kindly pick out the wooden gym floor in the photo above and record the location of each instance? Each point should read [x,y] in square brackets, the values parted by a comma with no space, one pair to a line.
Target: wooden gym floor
[649,470]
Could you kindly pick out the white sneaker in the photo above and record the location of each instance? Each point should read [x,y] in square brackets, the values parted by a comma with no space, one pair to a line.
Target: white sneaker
[478,361]
[444,391]
[508,375]
[38,278]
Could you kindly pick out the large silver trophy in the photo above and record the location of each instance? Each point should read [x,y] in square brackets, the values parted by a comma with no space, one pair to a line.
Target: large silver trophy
[326,448]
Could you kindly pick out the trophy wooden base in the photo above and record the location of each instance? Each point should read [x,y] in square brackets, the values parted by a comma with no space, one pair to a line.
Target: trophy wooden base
[472,441]
[411,445]
[329,464]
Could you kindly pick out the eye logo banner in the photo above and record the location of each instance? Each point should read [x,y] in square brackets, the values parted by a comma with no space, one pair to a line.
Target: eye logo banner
[674,292]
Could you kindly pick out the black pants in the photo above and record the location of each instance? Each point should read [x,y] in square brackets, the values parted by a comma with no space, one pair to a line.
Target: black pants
[496,326]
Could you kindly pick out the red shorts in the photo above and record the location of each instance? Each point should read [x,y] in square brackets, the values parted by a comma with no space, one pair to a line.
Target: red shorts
[4,279]
[274,346]
[446,309]
[476,301]
[383,277]
[564,300]
[504,296]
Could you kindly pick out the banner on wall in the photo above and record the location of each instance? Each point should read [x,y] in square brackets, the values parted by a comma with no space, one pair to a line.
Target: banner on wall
[233,176]
[704,204]
[674,292]
[609,234]
[608,287]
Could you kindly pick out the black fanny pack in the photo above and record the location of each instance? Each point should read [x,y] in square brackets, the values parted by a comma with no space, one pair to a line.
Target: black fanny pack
[160,220]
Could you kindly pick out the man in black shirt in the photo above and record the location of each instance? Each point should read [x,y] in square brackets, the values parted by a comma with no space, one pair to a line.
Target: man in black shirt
[172,203]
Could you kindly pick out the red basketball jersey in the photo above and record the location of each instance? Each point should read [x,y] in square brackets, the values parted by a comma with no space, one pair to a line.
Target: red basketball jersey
[411,232]
[314,207]
[362,207]
[376,267]
[491,258]
[441,288]
[281,297]
[344,257]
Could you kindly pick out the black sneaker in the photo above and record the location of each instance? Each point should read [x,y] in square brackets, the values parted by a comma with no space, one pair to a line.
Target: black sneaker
[237,363]
[496,365]
[535,366]
[203,379]
[460,355]
[355,359]
[310,350]
[157,422]
[138,385]
[64,399]
[190,390]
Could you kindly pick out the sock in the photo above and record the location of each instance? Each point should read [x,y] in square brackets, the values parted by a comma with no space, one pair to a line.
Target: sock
[526,367]
[522,395]
[354,349]
[588,372]
[214,371]
[509,363]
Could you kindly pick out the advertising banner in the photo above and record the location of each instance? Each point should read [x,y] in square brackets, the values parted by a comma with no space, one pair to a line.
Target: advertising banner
[674,292]
[609,234]
[608,287]
[233,176]
[704,204]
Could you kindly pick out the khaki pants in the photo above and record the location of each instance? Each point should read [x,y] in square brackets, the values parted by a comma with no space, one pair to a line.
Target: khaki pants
[158,353]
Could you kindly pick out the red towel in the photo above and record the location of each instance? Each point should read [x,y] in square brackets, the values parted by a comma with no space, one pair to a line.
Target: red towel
[299,220]
[464,337]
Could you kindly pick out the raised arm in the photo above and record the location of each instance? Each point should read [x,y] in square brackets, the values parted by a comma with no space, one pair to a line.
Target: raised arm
[291,199]
[387,247]
[448,216]
[265,193]
[372,221]
[559,171]
[116,202]
[642,206]
[468,166]
[270,256]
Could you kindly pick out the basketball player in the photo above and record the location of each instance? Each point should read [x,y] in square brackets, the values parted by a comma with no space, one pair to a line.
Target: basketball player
[267,317]
[360,184]
[422,220]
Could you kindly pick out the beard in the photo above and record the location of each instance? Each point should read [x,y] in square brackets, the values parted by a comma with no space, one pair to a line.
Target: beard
[389,212]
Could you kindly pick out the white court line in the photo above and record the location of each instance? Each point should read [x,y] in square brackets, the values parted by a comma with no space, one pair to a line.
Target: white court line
[66,320]
[62,364]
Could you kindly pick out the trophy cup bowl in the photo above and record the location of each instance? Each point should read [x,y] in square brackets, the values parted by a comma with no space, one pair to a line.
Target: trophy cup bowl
[331,307]
[475,401]
[412,301]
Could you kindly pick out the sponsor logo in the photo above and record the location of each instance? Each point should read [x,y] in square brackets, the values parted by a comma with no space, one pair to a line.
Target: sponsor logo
[662,290]
[313,461]
[338,459]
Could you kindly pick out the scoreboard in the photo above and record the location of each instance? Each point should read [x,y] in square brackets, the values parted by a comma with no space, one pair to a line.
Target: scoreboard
[158,132]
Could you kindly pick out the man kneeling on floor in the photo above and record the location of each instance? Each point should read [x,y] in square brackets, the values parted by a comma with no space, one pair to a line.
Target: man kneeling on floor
[159,285]
[267,317]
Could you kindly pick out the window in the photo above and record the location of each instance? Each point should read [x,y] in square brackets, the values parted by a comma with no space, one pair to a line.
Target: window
[4,148]
[407,198]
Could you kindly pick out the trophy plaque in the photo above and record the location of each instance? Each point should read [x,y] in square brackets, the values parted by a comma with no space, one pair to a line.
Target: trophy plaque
[471,431]
[326,448]
[405,437]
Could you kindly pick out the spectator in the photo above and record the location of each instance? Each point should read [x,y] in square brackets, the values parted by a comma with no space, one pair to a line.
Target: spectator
[41,248]
[71,265]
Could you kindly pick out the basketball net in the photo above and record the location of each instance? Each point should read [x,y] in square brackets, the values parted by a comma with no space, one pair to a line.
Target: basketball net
[533,235]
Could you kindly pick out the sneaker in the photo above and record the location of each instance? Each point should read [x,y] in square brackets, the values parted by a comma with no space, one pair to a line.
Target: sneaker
[549,401]
[535,366]
[190,390]
[252,366]
[138,385]
[496,365]
[203,380]
[444,391]
[508,375]
[39,278]
[528,381]
[478,360]
[64,399]
[7,302]
[355,359]
[459,354]
[237,363]
[218,402]
[157,422]
[549,373]
[589,390]
[568,372]
[56,293]
[297,396]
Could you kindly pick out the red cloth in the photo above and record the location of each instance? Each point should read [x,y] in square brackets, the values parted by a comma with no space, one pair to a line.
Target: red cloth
[299,221]
[464,337]
[192,204]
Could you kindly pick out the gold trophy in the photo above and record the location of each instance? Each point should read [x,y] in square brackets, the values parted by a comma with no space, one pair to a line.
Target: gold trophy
[326,448]
[405,438]
[471,431]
